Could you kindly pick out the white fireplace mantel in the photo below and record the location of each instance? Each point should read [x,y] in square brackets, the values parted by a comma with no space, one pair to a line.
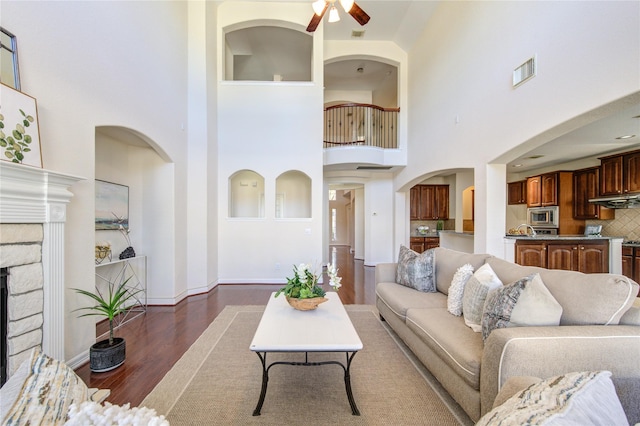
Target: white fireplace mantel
[32,195]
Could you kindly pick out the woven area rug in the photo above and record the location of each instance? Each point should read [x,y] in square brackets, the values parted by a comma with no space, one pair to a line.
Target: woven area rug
[218,380]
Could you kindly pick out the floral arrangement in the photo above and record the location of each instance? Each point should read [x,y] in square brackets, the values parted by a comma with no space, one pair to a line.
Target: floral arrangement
[304,284]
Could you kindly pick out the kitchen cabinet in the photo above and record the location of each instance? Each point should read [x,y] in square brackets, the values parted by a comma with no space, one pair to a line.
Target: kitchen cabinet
[586,256]
[586,185]
[517,192]
[531,254]
[421,244]
[542,190]
[534,197]
[628,262]
[631,263]
[414,203]
[620,174]
[429,202]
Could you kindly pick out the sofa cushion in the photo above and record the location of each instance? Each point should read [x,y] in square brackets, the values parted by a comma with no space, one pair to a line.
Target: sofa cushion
[449,337]
[597,299]
[579,398]
[525,302]
[456,290]
[475,293]
[49,388]
[447,263]
[415,270]
[400,298]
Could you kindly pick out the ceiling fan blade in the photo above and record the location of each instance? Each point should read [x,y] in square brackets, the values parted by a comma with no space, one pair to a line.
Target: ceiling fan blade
[359,14]
[316,19]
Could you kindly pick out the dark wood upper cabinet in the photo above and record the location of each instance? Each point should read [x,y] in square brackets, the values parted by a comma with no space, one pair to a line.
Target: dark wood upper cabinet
[534,196]
[611,175]
[429,202]
[631,172]
[517,192]
[620,174]
[586,185]
[414,201]
[542,190]
[549,189]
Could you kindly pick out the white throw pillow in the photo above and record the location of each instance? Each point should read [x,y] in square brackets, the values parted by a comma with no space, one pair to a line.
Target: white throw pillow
[456,290]
[580,398]
[526,302]
[475,294]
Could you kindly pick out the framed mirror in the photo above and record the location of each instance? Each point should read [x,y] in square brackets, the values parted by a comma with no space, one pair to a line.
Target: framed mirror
[9,72]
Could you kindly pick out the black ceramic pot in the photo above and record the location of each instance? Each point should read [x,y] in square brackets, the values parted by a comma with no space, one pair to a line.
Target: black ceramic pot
[104,357]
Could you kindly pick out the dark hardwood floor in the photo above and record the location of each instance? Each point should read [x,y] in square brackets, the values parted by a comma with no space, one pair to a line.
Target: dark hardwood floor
[158,338]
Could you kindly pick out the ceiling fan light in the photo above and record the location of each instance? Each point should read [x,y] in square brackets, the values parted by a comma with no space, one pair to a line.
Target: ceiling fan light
[333,14]
[318,6]
[346,5]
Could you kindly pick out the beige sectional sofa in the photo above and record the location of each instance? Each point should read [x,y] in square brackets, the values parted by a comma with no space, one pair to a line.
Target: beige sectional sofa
[599,330]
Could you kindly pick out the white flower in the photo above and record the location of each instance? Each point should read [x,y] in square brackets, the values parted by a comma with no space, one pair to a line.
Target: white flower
[334,279]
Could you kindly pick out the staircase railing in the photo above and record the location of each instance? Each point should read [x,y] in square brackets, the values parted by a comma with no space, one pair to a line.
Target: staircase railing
[360,124]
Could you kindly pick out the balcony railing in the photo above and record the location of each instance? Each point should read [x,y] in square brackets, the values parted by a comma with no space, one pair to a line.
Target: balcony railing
[360,124]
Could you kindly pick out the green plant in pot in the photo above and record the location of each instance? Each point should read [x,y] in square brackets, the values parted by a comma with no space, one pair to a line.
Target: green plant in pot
[110,353]
[303,292]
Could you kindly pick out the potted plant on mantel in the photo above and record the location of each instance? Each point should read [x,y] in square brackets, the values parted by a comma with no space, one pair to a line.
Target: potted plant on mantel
[303,292]
[110,353]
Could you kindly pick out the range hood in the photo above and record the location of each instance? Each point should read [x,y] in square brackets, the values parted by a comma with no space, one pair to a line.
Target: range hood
[618,201]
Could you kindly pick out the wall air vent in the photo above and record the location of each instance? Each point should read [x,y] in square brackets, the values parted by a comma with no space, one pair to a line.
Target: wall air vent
[524,72]
[357,33]
[373,167]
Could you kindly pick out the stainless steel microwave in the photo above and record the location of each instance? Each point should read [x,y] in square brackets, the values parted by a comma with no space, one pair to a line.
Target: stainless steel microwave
[545,217]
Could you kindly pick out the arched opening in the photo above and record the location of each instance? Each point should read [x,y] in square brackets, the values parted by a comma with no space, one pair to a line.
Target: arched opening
[246,194]
[293,195]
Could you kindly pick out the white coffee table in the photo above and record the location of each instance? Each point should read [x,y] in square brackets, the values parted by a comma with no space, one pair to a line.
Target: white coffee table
[285,329]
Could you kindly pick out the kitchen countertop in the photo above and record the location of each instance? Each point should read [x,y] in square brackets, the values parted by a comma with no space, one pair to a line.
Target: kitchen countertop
[428,235]
[561,237]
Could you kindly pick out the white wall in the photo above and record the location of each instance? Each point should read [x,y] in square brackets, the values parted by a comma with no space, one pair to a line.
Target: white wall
[90,64]
[271,128]
[461,67]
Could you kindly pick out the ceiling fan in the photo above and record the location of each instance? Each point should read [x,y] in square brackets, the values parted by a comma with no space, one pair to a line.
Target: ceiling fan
[320,8]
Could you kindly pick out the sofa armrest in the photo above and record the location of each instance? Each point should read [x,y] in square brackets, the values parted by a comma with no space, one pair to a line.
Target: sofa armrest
[386,272]
[548,351]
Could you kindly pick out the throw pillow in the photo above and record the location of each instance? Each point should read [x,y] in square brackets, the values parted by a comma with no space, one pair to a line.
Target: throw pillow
[475,293]
[49,388]
[456,290]
[416,270]
[526,302]
[580,398]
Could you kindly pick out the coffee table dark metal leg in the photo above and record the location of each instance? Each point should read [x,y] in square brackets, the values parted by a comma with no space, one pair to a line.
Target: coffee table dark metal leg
[265,380]
[347,384]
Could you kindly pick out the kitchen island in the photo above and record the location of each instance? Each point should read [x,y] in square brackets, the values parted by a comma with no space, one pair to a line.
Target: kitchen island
[593,254]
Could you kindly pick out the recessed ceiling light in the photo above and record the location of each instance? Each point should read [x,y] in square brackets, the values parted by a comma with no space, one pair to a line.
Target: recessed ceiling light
[626,137]
[535,157]
[517,165]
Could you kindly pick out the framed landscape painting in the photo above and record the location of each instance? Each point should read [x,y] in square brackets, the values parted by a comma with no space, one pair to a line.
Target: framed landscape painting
[19,131]
[112,205]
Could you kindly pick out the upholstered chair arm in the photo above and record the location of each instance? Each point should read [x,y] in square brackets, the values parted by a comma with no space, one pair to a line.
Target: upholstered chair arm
[386,272]
[549,351]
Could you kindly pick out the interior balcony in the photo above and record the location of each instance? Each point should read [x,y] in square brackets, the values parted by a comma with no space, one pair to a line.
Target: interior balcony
[363,136]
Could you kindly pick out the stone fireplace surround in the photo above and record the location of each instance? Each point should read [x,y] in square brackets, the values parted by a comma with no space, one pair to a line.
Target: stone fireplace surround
[32,217]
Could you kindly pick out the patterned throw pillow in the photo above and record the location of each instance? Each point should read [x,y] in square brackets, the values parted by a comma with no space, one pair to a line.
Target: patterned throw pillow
[416,270]
[456,290]
[526,302]
[50,387]
[475,293]
[580,398]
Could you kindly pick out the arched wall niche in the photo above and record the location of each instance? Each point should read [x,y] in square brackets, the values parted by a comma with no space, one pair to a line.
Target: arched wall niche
[293,195]
[246,194]
[267,50]
[128,157]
